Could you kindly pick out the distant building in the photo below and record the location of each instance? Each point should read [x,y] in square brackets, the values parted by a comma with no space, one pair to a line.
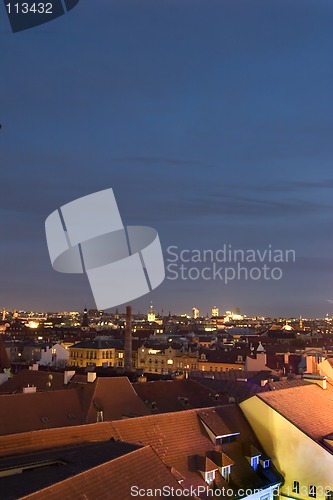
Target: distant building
[215,311]
[151,314]
[166,359]
[54,355]
[97,353]
[85,319]
[195,313]
[220,360]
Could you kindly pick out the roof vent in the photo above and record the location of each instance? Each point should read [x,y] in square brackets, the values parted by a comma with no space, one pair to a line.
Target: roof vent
[29,390]
[91,376]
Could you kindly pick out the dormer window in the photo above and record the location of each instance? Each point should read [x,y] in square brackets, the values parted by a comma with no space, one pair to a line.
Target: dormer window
[225,472]
[210,476]
[265,463]
[255,462]
[229,438]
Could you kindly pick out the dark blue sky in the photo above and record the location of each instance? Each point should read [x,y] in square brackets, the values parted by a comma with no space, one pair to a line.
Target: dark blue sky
[211,120]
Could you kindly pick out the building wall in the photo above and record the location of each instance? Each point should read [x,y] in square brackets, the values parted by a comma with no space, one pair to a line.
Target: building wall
[256,364]
[170,360]
[296,456]
[53,355]
[98,357]
[210,366]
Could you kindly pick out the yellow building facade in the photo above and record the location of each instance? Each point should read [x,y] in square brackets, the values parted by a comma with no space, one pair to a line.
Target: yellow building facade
[297,449]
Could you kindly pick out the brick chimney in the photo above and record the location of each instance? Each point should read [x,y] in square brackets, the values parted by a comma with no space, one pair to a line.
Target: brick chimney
[128,340]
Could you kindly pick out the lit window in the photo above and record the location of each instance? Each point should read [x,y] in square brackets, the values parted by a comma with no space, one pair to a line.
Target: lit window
[210,476]
[255,462]
[226,472]
[226,439]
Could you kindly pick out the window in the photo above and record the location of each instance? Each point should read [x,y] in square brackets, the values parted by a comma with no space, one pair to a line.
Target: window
[296,487]
[255,462]
[226,472]
[210,476]
[312,491]
[226,439]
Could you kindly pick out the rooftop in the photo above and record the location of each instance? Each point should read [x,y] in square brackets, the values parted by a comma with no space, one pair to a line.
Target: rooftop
[176,395]
[141,468]
[307,406]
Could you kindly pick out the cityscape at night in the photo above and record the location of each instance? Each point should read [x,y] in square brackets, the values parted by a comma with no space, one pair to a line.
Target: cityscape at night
[166,256]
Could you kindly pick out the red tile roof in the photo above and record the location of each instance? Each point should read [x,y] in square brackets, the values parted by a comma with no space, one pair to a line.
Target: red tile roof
[141,468]
[170,434]
[169,395]
[308,407]
[117,398]
[40,410]
[39,379]
[177,438]
[32,441]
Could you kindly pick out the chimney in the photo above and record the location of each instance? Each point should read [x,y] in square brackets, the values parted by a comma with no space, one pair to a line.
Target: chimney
[29,390]
[68,375]
[311,364]
[91,377]
[128,339]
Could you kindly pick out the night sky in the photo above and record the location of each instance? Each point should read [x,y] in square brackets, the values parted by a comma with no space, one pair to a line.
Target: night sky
[211,120]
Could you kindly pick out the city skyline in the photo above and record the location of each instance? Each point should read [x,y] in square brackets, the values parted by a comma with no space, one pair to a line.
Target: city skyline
[211,121]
